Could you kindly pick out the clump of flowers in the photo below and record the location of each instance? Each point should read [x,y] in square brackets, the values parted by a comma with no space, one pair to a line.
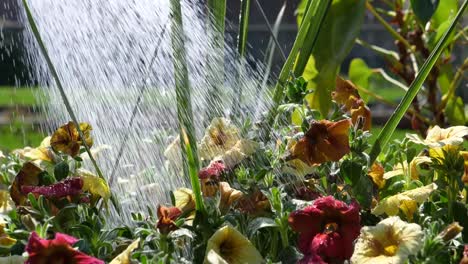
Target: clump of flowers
[327,229]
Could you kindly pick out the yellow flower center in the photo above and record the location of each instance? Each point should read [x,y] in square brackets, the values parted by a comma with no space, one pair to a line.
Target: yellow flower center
[218,137]
[390,250]
[330,228]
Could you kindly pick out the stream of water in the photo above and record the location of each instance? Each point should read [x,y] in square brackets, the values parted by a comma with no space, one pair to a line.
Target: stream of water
[102,50]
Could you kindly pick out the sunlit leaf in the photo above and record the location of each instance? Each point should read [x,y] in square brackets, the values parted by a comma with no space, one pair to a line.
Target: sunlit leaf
[455,111]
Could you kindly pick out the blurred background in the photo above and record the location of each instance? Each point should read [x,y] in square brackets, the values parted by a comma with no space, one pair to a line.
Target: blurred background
[20,119]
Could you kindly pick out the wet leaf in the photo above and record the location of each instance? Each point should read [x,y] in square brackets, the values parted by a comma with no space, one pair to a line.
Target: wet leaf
[424,9]
[259,223]
[61,170]
[455,111]
[335,40]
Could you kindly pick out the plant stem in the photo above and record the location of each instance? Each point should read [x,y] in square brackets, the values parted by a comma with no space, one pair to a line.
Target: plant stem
[184,103]
[287,67]
[387,26]
[413,90]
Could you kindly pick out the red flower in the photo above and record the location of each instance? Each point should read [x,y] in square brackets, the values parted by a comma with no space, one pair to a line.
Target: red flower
[327,228]
[311,259]
[71,186]
[166,216]
[57,250]
[213,171]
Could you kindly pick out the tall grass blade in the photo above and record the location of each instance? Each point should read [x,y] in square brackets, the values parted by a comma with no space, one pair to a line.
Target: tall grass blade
[413,90]
[314,30]
[310,19]
[66,102]
[243,27]
[193,172]
[183,96]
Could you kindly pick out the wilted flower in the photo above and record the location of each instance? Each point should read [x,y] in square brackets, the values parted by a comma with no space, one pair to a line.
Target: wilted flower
[361,111]
[166,219]
[255,203]
[227,245]
[219,137]
[327,228]
[5,240]
[406,201]
[324,141]
[228,196]
[450,232]
[67,139]
[124,257]
[439,137]
[344,90]
[391,241]
[69,186]
[60,250]
[376,173]
[27,176]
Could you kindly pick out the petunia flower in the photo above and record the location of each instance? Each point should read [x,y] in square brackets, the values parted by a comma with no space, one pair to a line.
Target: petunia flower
[324,141]
[95,185]
[67,139]
[184,200]
[41,153]
[439,137]
[227,245]
[240,151]
[5,240]
[361,111]
[125,256]
[376,172]
[464,259]
[406,201]
[166,219]
[253,204]
[219,137]
[344,90]
[210,176]
[69,186]
[27,176]
[391,241]
[228,196]
[173,154]
[57,250]
[327,228]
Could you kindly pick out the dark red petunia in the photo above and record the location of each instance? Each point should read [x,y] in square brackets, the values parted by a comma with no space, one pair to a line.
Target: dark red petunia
[327,228]
[72,186]
[311,259]
[166,217]
[55,251]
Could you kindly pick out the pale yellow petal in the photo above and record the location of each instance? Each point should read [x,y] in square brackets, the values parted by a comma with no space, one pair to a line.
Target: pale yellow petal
[124,257]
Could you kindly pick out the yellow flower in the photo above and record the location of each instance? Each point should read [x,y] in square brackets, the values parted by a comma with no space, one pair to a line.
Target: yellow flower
[173,154]
[95,185]
[391,241]
[412,168]
[298,168]
[124,257]
[241,150]
[6,204]
[406,201]
[227,245]
[67,139]
[41,153]
[376,173]
[184,200]
[219,137]
[5,240]
[228,196]
[439,137]
[465,175]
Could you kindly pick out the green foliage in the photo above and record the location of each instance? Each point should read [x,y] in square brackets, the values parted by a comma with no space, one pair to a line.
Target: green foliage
[424,9]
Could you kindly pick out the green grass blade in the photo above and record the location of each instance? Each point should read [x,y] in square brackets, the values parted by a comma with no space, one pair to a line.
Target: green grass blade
[314,30]
[243,27]
[278,93]
[413,90]
[193,172]
[66,102]
[183,96]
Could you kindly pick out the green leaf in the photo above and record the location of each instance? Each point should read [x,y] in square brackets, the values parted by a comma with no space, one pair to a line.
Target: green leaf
[351,171]
[455,111]
[413,90]
[362,190]
[259,223]
[359,74]
[296,117]
[446,10]
[424,9]
[61,170]
[243,27]
[335,40]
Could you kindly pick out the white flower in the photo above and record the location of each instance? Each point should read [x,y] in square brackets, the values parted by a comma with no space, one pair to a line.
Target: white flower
[241,150]
[439,137]
[389,242]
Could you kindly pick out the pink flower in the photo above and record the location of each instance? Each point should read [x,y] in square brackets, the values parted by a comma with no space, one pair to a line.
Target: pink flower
[212,171]
[57,250]
[71,186]
[327,229]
